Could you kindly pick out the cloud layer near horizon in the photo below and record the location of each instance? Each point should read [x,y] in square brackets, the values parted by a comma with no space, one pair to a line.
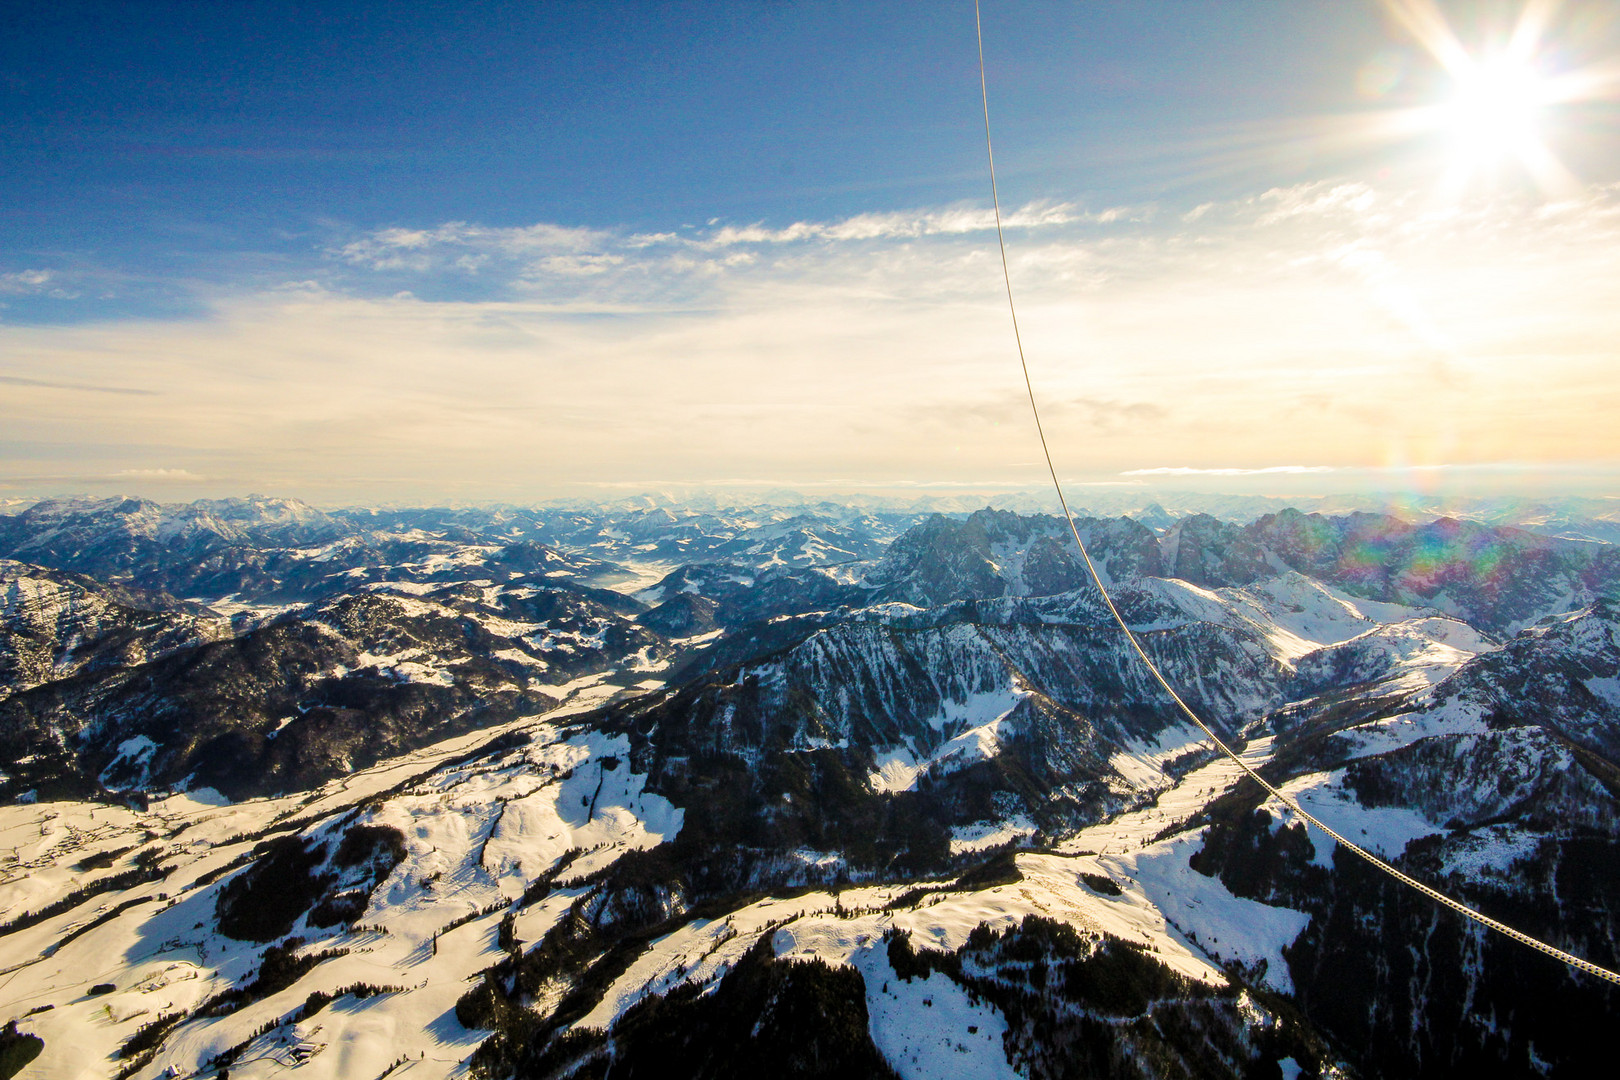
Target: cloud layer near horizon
[1333,324]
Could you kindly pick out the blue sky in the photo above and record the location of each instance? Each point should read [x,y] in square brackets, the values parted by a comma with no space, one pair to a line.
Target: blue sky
[154,145]
[309,247]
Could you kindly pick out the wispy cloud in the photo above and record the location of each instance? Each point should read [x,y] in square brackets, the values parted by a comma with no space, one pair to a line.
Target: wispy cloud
[25,281]
[1320,200]
[119,480]
[913,224]
[1347,325]
[1267,470]
[35,283]
[53,384]
[162,476]
[422,249]
[526,254]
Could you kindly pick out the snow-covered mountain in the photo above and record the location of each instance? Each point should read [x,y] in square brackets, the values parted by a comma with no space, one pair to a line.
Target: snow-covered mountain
[58,624]
[258,550]
[1491,785]
[1499,579]
[115,700]
[814,789]
[998,553]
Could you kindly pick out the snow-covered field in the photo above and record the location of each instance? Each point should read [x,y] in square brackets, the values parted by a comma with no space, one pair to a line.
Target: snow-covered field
[475,837]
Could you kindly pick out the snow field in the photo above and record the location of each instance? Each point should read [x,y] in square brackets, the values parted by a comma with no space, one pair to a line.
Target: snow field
[975,721]
[509,824]
[1165,901]
[1490,852]
[518,656]
[362,1037]
[704,950]
[403,667]
[468,851]
[1291,614]
[1452,716]
[1142,762]
[1294,616]
[155,955]
[929,1029]
[1202,910]
[581,694]
[983,835]
[918,1039]
[40,845]
[477,835]
[1176,803]
[1385,830]
[597,803]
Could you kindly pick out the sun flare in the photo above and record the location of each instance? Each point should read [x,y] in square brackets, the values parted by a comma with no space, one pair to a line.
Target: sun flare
[1499,97]
[1494,109]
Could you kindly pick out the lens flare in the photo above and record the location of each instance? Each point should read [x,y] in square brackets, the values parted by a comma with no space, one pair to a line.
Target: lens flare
[1498,97]
[1494,110]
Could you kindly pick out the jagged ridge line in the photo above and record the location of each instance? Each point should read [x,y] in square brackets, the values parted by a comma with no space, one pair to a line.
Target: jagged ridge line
[1130,636]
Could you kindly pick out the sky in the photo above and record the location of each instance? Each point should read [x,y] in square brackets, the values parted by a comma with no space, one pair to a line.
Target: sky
[480,251]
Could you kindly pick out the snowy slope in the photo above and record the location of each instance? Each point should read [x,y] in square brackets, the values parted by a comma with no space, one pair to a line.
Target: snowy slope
[475,836]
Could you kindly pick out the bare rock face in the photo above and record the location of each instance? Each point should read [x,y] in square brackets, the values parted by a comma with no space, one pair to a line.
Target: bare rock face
[1205,551]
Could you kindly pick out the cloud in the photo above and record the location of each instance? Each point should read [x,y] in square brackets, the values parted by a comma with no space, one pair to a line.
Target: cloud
[119,480]
[1321,199]
[1268,470]
[870,347]
[34,283]
[536,252]
[463,243]
[165,476]
[25,281]
[909,224]
[52,384]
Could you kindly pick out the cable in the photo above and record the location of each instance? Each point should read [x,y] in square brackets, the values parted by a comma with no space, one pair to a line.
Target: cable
[1287,800]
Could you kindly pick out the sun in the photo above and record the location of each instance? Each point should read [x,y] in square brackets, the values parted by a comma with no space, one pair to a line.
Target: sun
[1494,110]
[1498,97]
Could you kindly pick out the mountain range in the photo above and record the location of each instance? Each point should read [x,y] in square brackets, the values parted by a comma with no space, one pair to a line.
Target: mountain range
[656,789]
